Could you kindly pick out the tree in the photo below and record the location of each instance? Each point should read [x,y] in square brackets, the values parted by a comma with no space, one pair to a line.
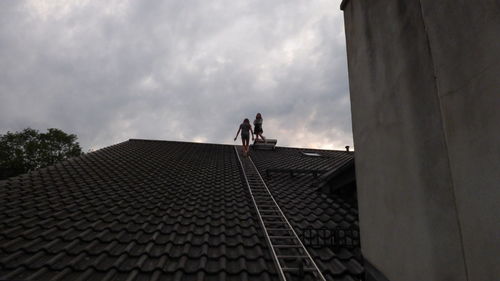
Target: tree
[29,150]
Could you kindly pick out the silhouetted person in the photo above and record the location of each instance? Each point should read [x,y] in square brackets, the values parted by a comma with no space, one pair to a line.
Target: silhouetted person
[245,129]
[258,127]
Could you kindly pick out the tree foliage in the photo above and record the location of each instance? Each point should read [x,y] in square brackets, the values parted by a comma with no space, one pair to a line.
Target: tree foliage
[29,150]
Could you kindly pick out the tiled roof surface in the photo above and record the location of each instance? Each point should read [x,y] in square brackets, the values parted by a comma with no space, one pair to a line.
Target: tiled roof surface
[306,208]
[155,210]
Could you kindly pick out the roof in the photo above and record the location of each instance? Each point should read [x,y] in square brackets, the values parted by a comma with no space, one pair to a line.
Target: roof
[160,210]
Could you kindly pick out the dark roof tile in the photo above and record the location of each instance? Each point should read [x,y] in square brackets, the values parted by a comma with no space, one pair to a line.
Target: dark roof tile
[308,209]
[152,210]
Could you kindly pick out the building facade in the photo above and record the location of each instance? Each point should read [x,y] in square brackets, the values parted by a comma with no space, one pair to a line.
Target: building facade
[425,96]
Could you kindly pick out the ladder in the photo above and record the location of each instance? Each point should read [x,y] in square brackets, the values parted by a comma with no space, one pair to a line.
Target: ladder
[288,252]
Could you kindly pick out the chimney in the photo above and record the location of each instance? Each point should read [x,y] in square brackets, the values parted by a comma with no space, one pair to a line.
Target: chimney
[347,148]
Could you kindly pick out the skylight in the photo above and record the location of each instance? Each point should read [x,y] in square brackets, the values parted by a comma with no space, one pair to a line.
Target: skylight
[314,154]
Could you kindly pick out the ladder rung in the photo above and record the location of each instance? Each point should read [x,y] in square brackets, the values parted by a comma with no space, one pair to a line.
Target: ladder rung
[275,222]
[291,257]
[282,237]
[287,246]
[278,229]
[298,269]
[271,220]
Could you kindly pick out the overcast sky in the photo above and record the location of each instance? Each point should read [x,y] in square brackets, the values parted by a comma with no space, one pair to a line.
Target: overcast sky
[183,70]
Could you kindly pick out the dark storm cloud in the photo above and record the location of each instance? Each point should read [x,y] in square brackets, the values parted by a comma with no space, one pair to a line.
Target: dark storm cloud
[176,70]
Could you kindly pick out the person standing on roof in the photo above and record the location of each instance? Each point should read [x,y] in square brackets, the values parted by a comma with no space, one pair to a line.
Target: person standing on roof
[245,129]
[258,127]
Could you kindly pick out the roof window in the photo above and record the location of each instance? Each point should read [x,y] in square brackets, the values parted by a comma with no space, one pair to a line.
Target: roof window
[314,154]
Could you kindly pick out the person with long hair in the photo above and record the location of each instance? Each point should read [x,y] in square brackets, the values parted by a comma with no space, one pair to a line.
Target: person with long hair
[258,127]
[245,129]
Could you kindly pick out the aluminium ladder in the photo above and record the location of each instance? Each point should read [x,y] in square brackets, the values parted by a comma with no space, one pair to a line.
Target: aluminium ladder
[288,252]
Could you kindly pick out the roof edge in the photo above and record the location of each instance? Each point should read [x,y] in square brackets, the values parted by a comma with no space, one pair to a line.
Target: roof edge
[326,177]
[177,141]
[238,144]
[343,4]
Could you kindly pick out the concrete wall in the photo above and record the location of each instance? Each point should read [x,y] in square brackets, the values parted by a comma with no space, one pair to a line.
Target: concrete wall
[425,93]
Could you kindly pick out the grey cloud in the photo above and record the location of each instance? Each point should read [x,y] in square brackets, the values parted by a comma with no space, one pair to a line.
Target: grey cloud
[176,70]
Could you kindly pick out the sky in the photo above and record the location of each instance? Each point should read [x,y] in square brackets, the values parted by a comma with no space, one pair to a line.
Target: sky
[186,70]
